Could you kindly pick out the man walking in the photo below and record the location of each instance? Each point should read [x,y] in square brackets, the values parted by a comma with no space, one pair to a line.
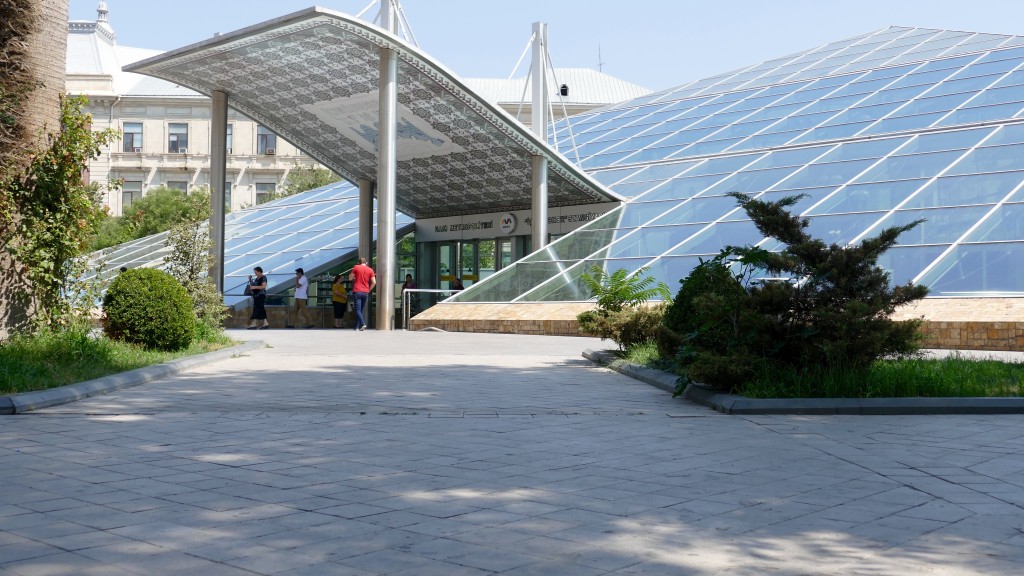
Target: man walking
[363,280]
[301,297]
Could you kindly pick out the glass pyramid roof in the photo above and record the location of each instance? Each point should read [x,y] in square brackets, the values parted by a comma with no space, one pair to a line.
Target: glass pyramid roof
[877,130]
[314,230]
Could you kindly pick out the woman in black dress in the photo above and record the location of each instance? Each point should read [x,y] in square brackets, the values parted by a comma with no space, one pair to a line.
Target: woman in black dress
[258,288]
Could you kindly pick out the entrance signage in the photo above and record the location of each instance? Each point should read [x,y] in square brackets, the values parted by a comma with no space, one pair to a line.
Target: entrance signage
[561,220]
[507,226]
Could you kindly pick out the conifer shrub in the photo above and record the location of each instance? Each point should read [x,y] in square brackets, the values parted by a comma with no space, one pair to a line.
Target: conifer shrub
[807,306]
[150,308]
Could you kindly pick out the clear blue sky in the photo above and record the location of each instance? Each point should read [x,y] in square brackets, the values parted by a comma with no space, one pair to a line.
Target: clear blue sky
[655,43]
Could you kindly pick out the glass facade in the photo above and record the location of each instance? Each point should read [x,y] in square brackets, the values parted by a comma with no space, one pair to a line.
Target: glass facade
[314,230]
[888,128]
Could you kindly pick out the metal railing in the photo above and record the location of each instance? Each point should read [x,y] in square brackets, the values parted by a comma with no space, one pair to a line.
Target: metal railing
[407,300]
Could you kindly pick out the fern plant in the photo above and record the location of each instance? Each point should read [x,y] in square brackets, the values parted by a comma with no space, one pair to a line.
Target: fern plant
[618,290]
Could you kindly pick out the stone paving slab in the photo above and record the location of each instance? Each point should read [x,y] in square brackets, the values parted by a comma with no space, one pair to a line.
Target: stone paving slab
[325,454]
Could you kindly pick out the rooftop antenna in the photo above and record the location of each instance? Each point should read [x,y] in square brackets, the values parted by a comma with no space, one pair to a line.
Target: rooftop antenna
[600,61]
[402,29]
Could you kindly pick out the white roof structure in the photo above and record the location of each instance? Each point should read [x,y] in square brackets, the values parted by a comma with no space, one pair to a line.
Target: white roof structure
[94,64]
[586,87]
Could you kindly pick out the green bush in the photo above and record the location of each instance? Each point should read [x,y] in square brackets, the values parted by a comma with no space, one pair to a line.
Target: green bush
[808,306]
[150,308]
[627,327]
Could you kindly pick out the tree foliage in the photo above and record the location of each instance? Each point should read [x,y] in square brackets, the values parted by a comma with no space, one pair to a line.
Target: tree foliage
[303,178]
[158,211]
[621,315]
[49,212]
[810,305]
[189,262]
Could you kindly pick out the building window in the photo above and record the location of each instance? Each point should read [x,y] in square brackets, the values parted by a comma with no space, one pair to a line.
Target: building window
[266,141]
[131,190]
[228,140]
[177,138]
[132,138]
[178,185]
[264,191]
[227,196]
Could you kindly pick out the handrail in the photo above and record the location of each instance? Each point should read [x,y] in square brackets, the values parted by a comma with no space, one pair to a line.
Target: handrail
[406,309]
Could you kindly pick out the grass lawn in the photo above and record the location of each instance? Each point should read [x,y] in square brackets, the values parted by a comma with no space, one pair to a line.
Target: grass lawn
[953,376]
[54,359]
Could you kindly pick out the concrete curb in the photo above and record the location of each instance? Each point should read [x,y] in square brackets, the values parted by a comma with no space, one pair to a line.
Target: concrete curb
[28,401]
[741,405]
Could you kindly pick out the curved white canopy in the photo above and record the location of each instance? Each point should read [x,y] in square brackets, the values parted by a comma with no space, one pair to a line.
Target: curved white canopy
[312,78]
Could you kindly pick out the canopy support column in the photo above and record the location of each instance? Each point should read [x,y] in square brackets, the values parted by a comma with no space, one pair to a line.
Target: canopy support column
[539,125]
[387,158]
[365,219]
[218,178]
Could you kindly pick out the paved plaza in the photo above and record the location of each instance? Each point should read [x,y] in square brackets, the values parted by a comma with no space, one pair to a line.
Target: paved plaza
[336,452]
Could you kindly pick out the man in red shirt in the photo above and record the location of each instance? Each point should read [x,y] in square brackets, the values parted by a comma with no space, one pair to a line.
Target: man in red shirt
[363,280]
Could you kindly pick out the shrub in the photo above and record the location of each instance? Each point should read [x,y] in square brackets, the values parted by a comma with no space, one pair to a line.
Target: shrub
[188,263]
[150,308]
[626,327]
[621,315]
[823,305]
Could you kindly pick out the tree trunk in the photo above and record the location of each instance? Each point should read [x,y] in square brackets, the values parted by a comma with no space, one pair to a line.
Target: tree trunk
[33,46]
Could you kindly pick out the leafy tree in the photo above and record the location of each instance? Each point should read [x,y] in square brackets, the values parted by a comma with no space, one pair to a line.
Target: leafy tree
[828,305]
[48,213]
[158,211]
[302,178]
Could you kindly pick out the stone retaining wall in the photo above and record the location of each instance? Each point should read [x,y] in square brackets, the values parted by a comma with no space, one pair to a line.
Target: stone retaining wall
[951,323]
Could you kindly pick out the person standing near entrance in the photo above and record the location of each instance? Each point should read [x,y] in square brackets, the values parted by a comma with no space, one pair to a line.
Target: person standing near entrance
[339,298]
[258,290]
[301,299]
[363,280]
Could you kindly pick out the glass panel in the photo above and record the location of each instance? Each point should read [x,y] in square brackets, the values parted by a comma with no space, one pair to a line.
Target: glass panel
[698,210]
[579,244]
[608,177]
[1012,134]
[707,147]
[868,197]
[998,67]
[672,269]
[682,188]
[639,213]
[841,229]
[651,241]
[990,160]
[929,105]
[941,226]
[715,237]
[514,281]
[568,287]
[904,263]
[861,150]
[916,166]
[965,190]
[833,173]
[830,132]
[767,140]
[950,140]
[979,269]
[795,157]
[754,181]
[962,85]
[811,196]
[1007,223]
[904,123]
[968,115]
[999,96]
[863,113]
